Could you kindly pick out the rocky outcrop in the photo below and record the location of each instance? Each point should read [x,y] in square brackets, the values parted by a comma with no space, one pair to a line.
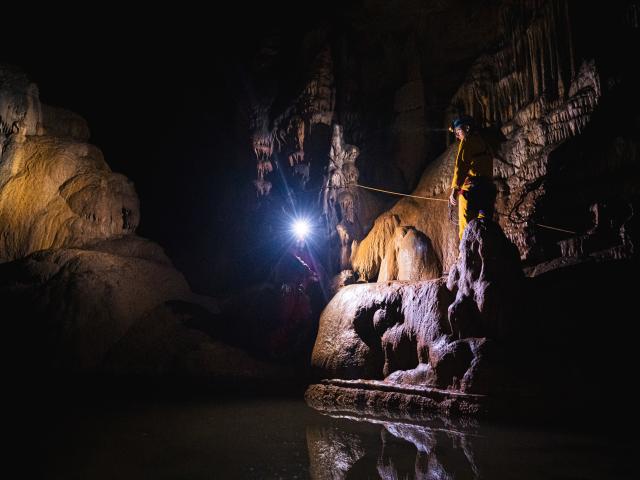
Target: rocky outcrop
[79,290]
[488,283]
[429,222]
[55,189]
[441,334]
[86,300]
[554,96]
[59,193]
[544,105]
[118,307]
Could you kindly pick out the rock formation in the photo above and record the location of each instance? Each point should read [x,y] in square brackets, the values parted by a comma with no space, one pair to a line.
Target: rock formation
[443,334]
[55,189]
[376,257]
[540,102]
[81,292]
[527,71]
[341,198]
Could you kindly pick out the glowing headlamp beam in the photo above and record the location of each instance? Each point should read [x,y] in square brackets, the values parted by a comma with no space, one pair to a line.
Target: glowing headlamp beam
[301,228]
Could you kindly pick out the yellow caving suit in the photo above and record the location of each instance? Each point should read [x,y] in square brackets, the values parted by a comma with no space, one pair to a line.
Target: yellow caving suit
[473,162]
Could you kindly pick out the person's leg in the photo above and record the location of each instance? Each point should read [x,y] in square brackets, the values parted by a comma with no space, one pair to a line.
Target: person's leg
[462,213]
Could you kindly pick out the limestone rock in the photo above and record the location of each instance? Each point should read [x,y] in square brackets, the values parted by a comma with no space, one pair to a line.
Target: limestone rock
[427,219]
[436,333]
[118,308]
[85,300]
[61,123]
[80,292]
[487,281]
[55,190]
[59,193]
[20,108]
[409,257]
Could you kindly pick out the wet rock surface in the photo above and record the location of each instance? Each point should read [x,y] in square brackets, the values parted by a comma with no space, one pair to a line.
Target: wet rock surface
[441,333]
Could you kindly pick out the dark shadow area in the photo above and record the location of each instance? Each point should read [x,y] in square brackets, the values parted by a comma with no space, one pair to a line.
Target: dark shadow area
[231,437]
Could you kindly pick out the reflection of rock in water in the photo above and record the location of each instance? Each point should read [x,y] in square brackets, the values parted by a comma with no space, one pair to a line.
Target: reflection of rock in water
[351,447]
[333,451]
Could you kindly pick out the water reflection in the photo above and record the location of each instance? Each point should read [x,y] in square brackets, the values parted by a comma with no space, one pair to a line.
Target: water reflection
[265,438]
[346,447]
[351,447]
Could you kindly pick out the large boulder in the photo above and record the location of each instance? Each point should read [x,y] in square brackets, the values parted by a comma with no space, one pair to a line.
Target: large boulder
[487,281]
[60,193]
[80,292]
[56,190]
[437,333]
[117,307]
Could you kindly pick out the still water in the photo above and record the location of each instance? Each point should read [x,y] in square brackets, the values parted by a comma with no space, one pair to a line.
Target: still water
[283,438]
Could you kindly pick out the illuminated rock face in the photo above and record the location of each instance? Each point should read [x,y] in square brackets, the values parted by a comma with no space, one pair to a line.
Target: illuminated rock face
[81,291]
[429,219]
[435,333]
[557,161]
[56,190]
[271,131]
[543,97]
[538,111]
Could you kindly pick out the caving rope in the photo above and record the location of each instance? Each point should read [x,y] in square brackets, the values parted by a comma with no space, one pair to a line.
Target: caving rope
[509,216]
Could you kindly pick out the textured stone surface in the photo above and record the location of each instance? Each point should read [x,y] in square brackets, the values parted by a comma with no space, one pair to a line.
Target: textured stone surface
[377,399]
[429,219]
[557,161]
[86,300]
[58,193]
[55,190]
[120,308]
[435,333]
[487,281]
[410,257]
[79,290]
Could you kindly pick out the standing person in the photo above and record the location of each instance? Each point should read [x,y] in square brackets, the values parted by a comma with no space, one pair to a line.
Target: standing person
[472,187]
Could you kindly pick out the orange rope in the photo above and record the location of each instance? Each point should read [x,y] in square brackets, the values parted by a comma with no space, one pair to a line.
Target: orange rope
[445,200]
[402,194]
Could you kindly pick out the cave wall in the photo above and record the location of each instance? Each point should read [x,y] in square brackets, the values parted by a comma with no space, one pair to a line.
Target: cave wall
[84,296]
[565,175]
[543,90]
[56,190]
[392,78]
[376,71]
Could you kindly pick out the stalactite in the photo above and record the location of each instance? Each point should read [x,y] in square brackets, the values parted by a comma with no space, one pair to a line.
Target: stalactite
[532,89]
[533,63]
[340,198]
[314,105]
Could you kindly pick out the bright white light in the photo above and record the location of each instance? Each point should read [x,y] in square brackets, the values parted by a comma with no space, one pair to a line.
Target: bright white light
[301,228]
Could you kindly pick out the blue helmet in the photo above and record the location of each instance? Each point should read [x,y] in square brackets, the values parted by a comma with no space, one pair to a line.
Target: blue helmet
[461,121]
